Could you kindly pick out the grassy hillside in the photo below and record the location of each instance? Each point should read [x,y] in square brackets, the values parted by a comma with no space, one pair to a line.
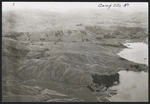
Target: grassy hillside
[50,57]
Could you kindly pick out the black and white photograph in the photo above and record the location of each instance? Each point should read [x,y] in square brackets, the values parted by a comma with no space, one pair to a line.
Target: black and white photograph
[75,52]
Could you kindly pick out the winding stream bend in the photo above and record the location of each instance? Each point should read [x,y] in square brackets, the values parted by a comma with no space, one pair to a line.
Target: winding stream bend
[133,86]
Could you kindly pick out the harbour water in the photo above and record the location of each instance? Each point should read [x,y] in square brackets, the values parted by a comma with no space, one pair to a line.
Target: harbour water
[133,86]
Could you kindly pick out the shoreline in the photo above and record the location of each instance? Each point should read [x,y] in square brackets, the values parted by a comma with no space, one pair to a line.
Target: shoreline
[121,68]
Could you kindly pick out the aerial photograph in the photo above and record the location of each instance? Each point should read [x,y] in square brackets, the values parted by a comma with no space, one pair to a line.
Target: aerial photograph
[75,52]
